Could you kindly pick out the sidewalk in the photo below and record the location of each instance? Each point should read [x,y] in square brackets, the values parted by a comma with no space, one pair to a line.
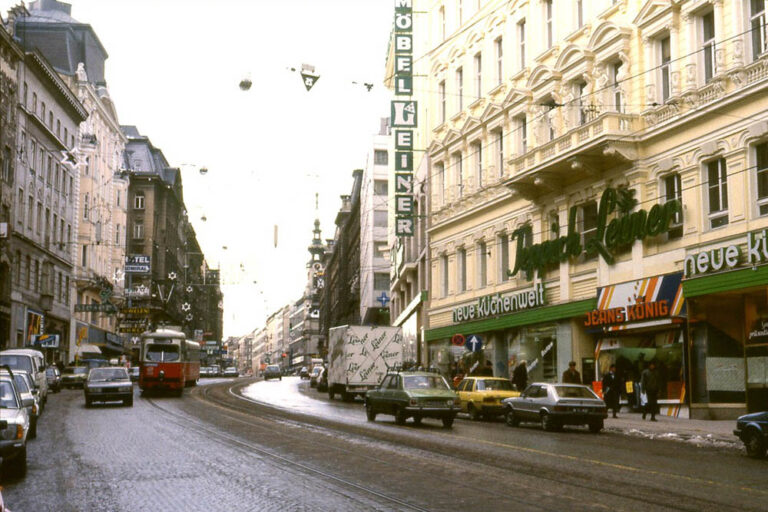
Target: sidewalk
[700,432]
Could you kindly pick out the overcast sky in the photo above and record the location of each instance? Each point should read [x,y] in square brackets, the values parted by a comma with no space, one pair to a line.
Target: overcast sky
[173,71]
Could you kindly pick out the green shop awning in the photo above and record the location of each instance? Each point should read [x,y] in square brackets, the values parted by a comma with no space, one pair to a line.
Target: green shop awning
[529,317]
[726,281]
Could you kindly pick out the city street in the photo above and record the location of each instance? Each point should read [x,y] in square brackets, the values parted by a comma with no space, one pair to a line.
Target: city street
[214,450]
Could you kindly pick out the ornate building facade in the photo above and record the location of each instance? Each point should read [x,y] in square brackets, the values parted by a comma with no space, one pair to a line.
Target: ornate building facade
[597,188]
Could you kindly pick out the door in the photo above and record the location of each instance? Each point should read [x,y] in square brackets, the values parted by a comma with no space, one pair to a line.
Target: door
[757,377]
[465,388]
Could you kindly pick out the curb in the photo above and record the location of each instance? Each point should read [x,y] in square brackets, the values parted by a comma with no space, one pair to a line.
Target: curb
[697,439]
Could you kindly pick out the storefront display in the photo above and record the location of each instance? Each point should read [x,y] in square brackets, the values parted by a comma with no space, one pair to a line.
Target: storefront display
[537,345]
[638,322]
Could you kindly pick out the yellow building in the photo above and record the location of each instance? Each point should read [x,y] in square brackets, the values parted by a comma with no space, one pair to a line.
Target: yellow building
[591,164]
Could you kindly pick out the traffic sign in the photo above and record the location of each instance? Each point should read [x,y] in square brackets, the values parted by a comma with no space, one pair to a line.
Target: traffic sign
[458,340]
[474,343]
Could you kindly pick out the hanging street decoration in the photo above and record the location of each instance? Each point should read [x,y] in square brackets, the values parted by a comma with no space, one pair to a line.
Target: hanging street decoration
[404,114]
[308,76]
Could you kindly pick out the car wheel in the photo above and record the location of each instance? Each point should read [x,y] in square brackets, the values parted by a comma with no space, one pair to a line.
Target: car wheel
[33,429]
[547,422]
[447,421]
[474,414]
[400,416]
[596,426]
[417,420]
[369,412]
[280,378]
[754,444]
[331,392]
[511,418]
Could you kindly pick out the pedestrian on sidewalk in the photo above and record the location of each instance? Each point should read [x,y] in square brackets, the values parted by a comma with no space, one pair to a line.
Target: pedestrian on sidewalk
[571,375]
[612,390]
[649,382]
[520,376]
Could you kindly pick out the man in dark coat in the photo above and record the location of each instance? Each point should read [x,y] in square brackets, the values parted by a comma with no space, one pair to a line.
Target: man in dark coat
[571,375]
[649,382]
[520,376]
[612,390]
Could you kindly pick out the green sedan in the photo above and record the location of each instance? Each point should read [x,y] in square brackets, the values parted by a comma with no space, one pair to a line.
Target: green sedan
[414,395]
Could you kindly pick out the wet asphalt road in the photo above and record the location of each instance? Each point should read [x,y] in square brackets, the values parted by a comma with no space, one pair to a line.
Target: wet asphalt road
[212,450]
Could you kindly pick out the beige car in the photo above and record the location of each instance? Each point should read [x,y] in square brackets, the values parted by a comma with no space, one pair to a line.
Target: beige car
[32,362]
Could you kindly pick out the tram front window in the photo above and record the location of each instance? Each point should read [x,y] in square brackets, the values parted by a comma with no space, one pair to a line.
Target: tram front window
[162,353]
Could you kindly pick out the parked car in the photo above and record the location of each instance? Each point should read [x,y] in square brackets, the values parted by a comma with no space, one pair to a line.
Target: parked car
[752,429]
[14,427]
[53,375]
[30,397]
[108,384]
[133,373]
[481,396]
[272,371]
[414,395]
[74,376]
[230,371]
[304,373]
[555,405]
[31,361]
[317,371]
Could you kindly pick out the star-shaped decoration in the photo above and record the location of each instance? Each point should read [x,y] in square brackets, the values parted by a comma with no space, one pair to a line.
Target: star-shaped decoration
[189,289]
[186,307]
[141,289]
[172,276]
[189,317]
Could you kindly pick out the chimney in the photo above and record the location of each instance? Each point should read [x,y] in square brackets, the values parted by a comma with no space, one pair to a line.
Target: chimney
[51,5]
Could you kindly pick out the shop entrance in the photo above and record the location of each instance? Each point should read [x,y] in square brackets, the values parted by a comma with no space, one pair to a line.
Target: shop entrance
[757,377]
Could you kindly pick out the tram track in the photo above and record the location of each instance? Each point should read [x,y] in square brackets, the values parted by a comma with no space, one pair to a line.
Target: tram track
[265,418]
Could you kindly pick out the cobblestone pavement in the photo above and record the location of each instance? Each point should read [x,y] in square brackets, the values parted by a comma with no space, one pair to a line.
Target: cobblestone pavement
[212,450]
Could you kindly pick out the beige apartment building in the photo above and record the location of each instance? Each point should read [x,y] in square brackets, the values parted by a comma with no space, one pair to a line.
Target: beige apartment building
[599,192]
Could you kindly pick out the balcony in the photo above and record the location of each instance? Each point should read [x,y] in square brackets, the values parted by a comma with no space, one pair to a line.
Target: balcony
[605,142]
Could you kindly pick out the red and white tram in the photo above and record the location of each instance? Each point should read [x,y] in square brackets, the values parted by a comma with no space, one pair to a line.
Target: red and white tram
[168,361]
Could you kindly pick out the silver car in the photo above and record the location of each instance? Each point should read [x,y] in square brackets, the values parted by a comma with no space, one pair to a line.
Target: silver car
[555,405]
[30,397]
[108,384]
[14,428]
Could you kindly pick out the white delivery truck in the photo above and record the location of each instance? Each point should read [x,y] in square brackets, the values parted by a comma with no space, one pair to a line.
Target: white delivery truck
[359,357]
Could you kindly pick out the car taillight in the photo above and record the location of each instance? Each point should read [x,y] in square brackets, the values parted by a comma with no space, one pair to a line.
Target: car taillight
[34,409]
[414,402]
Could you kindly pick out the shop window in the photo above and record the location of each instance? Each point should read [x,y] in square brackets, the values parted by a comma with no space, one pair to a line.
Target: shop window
[761,158]
[537,345]
[717,188]
[673,191]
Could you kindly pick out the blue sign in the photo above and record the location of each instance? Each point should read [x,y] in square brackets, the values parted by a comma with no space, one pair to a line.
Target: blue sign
[474,343]
[383,298]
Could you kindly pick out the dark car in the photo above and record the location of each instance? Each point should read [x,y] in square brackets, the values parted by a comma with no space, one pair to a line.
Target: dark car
[752,429]
[555,405]
[414,395]
[74,376]
[272,371]
[108,384]
[304,373]
[54,378]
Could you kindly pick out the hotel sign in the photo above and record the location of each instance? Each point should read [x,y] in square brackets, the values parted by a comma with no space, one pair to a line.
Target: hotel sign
[498,304]
[404,118]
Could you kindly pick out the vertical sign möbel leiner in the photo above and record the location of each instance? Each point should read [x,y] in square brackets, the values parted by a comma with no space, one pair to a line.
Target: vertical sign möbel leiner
[404,114]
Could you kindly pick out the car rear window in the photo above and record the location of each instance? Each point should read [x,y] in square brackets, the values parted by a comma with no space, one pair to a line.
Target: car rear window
[7,395]
[424,382]
[574,392]
[17,362]
[21,383]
